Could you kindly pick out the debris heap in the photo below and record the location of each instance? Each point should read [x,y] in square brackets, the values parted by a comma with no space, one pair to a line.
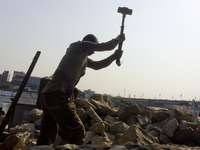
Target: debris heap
[126,127]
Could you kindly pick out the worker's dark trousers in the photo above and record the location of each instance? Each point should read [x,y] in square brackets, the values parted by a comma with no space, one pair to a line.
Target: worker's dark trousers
[57,110]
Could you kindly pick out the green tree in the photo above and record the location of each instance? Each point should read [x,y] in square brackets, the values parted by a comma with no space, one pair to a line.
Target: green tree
[81,94]
[116,101]
[5,86]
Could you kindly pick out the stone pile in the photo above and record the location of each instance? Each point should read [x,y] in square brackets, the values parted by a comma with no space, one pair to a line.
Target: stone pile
[126,127]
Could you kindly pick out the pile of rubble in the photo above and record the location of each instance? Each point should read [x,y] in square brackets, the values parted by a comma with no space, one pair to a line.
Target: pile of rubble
[126,127]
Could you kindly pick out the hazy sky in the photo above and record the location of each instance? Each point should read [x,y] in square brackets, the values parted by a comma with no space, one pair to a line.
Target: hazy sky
[161,53]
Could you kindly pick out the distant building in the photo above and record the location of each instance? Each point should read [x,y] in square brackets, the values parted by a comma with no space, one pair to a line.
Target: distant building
[5,77]
[88,93]
[18,77]
[34,81]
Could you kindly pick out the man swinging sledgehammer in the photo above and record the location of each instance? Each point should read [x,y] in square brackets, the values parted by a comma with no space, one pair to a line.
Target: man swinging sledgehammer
[58,94]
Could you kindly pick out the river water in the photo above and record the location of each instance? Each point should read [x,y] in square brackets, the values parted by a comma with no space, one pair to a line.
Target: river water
[25,98]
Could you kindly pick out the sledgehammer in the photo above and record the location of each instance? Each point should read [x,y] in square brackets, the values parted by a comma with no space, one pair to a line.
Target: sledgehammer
[125,11]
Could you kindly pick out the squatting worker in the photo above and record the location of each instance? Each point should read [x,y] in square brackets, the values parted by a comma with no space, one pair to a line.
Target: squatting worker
[58,94]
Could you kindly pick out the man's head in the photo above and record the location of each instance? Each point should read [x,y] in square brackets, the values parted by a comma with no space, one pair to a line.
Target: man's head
[90,38]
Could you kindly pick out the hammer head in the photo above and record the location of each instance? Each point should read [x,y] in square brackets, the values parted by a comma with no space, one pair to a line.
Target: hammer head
[124,11]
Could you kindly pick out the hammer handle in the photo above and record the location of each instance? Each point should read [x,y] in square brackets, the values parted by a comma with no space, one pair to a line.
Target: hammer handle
[118,59]
[121,43]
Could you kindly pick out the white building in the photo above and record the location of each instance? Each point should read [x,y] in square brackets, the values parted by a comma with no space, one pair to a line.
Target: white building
[19,76]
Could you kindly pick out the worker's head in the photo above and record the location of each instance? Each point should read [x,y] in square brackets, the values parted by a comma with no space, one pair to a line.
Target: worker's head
[90,38]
